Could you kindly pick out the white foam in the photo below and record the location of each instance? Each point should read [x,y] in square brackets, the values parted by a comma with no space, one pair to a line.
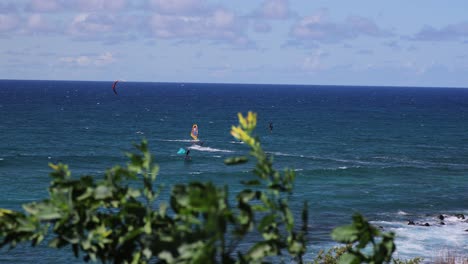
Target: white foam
[176,140]
[208,149]
[431,241]
[424,164]
[353,161]
[283,154]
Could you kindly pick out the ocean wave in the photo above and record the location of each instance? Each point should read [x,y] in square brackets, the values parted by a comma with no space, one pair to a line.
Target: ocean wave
[175,140]
[286,154]
[208,149]
[380,162]
[420,163]
[327,171]
[427,240]
[325,158]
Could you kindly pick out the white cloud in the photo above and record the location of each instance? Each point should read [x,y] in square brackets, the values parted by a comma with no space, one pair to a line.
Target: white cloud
[178,7]
[319,28]
[219,25]
[314,62]
[8,8]
[262,27]
[76,5]
[104,5]
[273,9]
[45,5]
[91,24]
[8,22]
[450,32]
[100,20]
[37,23]
[98,60]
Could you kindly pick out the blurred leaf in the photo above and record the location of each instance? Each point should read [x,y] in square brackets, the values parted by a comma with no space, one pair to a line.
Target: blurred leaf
[349,259]
[236,160]
[261,250]
[345,234]
[102,192]
[251,183]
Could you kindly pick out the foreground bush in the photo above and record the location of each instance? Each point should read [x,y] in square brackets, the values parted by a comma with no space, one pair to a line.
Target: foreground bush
[112,220]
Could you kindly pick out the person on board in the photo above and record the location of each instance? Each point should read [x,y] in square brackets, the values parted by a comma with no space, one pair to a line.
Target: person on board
[271,127]
[187,155]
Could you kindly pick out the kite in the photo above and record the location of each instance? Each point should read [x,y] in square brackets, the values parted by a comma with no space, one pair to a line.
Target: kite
[114,85]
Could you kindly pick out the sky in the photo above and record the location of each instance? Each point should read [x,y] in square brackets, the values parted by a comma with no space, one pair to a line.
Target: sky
[312,42]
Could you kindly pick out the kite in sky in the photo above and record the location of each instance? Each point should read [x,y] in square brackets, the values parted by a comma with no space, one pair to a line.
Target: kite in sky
[114,85]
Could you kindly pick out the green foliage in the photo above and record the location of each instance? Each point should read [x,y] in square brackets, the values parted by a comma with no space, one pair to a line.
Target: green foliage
[332,256]
[116,220]
[361,234]
[111,221]
[409,261]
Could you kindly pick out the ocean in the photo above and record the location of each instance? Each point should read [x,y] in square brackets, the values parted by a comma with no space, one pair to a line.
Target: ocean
[394,154]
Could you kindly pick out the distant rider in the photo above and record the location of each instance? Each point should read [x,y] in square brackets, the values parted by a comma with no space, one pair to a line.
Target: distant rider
[187,156]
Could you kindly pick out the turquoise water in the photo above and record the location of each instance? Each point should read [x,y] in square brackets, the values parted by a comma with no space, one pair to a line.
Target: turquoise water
[392,153]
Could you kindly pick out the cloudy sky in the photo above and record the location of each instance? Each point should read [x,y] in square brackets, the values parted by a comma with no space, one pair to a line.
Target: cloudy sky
[359,42]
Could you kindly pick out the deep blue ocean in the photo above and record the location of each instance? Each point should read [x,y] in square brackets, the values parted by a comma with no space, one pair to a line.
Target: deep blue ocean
[392,153]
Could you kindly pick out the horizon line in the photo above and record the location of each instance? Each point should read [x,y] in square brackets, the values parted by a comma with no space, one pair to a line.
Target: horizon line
[232,83]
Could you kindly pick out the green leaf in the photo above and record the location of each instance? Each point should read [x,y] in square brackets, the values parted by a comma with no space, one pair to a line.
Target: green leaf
[296,247]
[260,251]
[236,160]
[345,234]
[130,235]
[289,218]
[136,258]
[246,195]
[266,221]
[43,211]
[102,192]
[349,258]
[166,256]
[251,183]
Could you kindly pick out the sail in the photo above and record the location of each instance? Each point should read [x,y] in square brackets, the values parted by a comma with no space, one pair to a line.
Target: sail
[114,85]
[181,151]
[194,132]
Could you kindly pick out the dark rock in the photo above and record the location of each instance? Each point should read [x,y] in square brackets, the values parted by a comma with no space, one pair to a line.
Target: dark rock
[426,224]
[460,216]
[411,222]
[441,217]
[442,223]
